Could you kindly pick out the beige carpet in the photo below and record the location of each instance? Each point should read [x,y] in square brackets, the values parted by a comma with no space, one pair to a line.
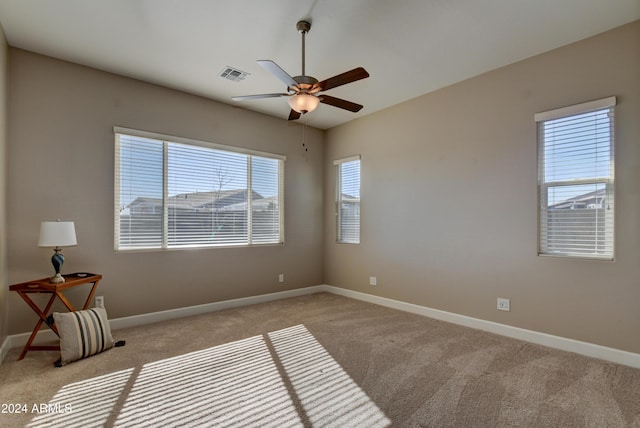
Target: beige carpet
[320,360]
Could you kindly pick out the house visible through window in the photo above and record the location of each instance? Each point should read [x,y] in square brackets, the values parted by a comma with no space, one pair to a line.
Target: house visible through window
[576,180]
[175,193]
[348,200]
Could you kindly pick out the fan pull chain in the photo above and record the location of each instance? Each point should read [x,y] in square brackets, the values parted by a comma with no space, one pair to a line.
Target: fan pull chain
[304,129]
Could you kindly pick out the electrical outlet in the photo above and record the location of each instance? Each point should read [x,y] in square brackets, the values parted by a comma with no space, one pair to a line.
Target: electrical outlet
[504,304]
[281,277]
[373,280]
[99,301]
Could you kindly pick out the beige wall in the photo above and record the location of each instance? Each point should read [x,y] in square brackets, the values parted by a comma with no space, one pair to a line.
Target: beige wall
[448,189]
[60,163]
[449,218]
[4,316]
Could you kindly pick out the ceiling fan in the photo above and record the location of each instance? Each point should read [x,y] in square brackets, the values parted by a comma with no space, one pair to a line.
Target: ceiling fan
[304,91]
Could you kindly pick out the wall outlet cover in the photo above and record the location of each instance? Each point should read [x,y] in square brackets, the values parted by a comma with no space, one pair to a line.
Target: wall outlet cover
[504,304]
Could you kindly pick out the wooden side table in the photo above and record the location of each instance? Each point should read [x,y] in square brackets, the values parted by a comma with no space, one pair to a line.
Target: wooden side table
[44,286]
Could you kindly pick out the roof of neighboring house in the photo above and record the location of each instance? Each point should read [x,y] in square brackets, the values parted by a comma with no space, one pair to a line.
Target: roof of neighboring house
[261,204]
[349,198]
[145,200]
[200,200]
[572,202]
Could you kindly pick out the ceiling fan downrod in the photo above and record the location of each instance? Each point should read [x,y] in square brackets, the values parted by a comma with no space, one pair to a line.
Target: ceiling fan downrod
[303,27]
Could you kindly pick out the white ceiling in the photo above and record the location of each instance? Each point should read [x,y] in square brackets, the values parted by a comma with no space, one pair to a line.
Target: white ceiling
[409,47]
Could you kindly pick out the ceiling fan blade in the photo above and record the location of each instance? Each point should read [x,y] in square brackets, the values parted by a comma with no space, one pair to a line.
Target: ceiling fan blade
[340,103]
[294,115]
[341,79]
[257,97]
[277,71]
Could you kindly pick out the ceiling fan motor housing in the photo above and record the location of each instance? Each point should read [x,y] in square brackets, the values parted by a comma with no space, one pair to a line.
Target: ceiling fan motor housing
[305,84]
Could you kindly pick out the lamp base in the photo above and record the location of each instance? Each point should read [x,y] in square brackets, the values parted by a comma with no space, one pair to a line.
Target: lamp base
[57,260]
[56,279]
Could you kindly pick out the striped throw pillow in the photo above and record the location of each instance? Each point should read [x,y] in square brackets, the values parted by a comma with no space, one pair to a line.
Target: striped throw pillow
[82,333]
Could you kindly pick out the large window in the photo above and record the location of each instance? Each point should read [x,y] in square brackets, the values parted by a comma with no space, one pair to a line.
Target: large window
[576,180]
[177,193]
[348,200]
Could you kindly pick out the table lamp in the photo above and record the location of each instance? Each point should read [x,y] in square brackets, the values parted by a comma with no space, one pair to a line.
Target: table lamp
[57,234]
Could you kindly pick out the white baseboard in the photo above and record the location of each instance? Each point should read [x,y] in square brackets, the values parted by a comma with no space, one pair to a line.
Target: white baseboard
[584,348]
[4,349]
[46,336]
[170,314]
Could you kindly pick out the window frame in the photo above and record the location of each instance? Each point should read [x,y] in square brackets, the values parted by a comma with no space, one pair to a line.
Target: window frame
[340,239]
[606,104]
[164,138]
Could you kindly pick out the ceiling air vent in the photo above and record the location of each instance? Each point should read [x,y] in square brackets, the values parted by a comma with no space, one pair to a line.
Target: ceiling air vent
[233,74]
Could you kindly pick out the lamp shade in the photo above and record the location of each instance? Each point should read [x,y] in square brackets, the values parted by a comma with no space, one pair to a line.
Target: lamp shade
[57,234]
[303,103]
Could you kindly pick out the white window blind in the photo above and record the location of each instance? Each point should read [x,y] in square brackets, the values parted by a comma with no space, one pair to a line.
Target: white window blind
[576,180]
[348,200]
[177,193]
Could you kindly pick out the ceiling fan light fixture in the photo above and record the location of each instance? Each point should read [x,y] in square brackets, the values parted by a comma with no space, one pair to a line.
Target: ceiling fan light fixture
[303,103]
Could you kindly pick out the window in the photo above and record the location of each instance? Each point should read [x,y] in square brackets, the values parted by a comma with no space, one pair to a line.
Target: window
[576,180]
[172,192]
[348,200]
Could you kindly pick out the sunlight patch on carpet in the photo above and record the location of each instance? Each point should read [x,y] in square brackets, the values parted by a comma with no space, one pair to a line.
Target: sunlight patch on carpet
[83,404]
[283,379]
[329,396]
[233,384]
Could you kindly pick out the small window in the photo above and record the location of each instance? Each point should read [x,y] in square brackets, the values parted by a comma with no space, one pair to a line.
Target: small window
[576,180]
[348,200]
[172,192]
